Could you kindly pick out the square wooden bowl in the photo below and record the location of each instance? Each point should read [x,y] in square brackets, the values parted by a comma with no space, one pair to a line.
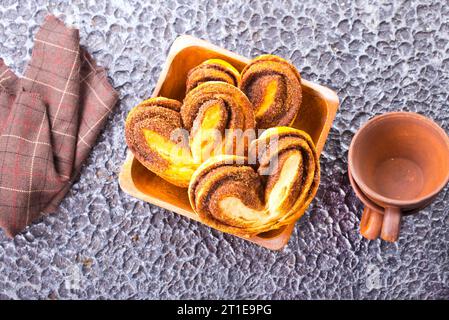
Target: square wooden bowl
[316,115]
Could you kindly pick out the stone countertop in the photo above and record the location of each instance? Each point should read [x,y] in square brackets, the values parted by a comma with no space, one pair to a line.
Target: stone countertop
[378,55]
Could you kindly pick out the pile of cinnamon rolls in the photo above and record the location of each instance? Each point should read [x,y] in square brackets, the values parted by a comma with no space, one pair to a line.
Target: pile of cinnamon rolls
[230,143]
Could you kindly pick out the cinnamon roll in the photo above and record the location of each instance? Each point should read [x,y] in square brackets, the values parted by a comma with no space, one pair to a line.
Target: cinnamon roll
[149,130]
[273,85]
[233,195]
[218,116]
[212,70]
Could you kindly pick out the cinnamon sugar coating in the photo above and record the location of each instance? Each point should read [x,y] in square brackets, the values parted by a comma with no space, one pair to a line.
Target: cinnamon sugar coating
[233,196]
[273,85]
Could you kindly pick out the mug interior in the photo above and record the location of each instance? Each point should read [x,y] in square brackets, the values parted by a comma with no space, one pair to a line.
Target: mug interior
[400,158]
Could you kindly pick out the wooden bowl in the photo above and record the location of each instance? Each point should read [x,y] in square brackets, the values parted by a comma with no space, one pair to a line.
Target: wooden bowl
[316,115]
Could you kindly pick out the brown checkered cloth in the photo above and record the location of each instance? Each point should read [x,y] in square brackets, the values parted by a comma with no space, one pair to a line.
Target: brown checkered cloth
[49,120]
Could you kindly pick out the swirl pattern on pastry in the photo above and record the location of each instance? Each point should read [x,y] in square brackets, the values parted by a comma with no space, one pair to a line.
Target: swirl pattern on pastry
[217,116]
[149,130]
[233,196]
[273,85]
[212,70]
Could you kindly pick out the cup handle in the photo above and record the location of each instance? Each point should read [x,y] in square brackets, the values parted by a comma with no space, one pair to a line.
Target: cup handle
[371,224]
[391,224]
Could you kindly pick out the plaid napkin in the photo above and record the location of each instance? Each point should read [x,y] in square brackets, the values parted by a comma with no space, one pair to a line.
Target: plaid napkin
[49,120]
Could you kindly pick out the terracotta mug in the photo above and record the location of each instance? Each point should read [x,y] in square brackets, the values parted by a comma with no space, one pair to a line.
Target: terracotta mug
[398,162]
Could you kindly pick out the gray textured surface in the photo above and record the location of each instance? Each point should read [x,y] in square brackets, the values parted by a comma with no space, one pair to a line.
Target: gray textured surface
[379,56]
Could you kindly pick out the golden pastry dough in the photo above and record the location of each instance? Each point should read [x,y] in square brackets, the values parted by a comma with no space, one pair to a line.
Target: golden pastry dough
[273,85]
[149,130]
[234,196]
[212,70]
[217,116]
[172,140]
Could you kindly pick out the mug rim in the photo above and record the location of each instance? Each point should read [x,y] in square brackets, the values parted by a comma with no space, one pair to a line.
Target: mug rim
[375,195]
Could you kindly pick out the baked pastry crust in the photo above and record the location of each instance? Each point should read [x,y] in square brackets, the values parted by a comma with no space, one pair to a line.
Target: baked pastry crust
[273,85]
[217,112]
[212,70]
[149,130]
[173,139]
[232,195]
